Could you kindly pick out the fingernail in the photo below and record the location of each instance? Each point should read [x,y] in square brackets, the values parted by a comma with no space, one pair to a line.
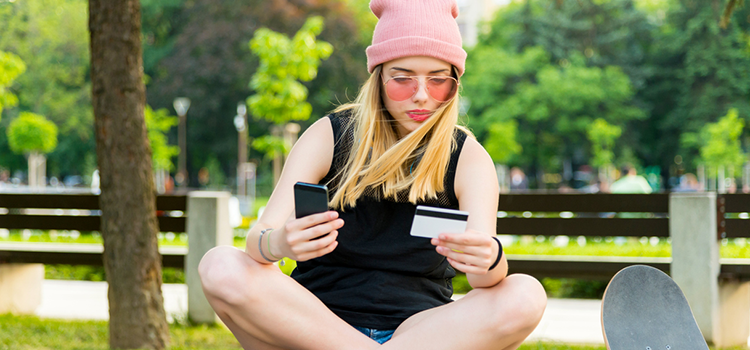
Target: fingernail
[333,215]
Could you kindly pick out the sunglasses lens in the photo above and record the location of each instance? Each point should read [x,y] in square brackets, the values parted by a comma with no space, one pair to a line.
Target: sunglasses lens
[442,89]
[399,89]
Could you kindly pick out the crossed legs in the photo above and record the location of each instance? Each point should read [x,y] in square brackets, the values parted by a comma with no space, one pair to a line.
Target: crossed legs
[268,310]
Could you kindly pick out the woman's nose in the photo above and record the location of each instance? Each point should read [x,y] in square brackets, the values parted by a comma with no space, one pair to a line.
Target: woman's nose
[422,93]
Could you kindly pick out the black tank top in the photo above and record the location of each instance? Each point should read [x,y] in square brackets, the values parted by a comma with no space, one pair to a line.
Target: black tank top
[379,274]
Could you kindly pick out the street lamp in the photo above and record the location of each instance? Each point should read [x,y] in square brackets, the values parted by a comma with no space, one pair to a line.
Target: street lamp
[245,170]
[181,106]
[240,123]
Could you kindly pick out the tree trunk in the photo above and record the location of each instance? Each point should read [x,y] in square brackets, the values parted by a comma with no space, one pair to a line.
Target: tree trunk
[129,227]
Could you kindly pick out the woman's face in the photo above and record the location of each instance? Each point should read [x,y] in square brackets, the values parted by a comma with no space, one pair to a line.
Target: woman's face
[411,112]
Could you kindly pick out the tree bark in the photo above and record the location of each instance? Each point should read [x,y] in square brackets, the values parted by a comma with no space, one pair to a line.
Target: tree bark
[129,227]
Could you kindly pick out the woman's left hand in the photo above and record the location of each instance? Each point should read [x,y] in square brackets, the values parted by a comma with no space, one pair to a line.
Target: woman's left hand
[469,252]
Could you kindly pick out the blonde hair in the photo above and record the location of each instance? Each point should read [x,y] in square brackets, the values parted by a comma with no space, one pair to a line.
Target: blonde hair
[380,161]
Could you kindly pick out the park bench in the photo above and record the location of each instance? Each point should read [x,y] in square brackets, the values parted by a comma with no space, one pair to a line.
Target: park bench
[718,289]
[695,223]
[21,264]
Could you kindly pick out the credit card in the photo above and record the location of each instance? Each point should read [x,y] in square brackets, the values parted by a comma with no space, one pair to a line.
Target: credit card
[430,222]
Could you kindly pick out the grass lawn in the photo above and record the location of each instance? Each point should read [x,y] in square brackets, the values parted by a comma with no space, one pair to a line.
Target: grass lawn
[28,332]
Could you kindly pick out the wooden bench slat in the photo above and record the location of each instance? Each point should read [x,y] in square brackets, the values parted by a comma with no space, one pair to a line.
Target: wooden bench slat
[78,201]
[736,202]
[736,228]
[549,202]
[50,222]
[172,224]
[171,203]
[557,266]
[604,268]
[74,254]
[584,267]
[49,201]
[657,227]
[80,223]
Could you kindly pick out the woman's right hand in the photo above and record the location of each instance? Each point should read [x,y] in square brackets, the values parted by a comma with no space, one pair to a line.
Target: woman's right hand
[296,239]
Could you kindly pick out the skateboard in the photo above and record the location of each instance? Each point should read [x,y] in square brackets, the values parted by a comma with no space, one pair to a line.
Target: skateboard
[644,309]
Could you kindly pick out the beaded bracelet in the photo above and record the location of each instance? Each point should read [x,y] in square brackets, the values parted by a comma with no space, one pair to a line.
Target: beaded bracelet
[260,247]
[499,253]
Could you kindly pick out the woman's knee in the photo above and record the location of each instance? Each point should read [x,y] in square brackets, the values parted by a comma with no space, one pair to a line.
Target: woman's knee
[224,272]
[524,301]
[533,295]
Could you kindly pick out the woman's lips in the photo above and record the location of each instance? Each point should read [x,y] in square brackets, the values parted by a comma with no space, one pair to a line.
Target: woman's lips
[419,115]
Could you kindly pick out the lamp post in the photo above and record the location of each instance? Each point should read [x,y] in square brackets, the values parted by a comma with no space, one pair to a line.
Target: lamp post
[181,106]
[240,123]
[245,170]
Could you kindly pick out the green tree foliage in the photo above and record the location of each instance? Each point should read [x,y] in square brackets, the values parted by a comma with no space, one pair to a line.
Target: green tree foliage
[364,18]
[553,104]
[501,141]
[199,50]
[555,67]
[684,71]
[720,144]
[726,17]
[602,136]
[32,133]
[51,37]
[271,146]
[11,66]
[191,48]
[608,33]
[279,96]
[702,72]
[158,123]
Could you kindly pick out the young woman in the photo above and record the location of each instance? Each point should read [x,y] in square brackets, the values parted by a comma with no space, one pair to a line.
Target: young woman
[362,281]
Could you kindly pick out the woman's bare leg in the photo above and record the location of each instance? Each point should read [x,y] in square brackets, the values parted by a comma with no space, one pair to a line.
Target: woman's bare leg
[266,309]
[500,317]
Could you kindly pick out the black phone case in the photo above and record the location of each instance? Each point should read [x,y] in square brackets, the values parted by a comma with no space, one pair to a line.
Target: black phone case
[310,199]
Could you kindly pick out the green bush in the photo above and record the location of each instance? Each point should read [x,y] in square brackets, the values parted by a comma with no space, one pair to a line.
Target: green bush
[573,288]
[555,287]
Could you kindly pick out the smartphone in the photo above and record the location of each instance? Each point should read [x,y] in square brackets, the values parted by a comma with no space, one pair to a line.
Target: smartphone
[310,199]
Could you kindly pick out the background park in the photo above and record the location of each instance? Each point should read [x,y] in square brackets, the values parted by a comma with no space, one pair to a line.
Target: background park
[562,94]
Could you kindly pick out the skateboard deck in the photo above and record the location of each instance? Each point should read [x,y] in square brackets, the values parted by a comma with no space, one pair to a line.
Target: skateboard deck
[644,309]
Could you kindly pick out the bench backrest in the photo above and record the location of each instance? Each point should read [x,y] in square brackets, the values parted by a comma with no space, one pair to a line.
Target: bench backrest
[78,212]
[586,214]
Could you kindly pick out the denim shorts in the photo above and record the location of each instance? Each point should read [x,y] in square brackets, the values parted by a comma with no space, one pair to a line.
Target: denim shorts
[380,336]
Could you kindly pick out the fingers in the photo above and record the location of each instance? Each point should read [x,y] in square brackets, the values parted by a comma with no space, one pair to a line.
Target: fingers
[481,261]
[479,249]
[467,268]
[316,248]
[311,220]
[469,252]
[312,236]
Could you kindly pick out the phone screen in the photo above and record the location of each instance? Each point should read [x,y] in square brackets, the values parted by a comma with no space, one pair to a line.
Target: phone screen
[310,199]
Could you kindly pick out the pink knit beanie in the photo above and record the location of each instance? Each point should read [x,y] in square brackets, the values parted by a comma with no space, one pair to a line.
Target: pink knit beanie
[416,28]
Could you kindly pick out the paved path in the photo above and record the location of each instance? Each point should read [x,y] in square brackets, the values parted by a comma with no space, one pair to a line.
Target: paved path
[565,320]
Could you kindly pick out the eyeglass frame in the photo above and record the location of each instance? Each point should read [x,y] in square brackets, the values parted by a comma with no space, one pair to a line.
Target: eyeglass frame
[427,77]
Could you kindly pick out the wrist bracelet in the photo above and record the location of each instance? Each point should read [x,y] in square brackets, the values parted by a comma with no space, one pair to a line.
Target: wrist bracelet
[260,246]
[499,253]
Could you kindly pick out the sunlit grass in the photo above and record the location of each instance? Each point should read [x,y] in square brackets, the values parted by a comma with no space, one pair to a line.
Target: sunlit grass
[29,332]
